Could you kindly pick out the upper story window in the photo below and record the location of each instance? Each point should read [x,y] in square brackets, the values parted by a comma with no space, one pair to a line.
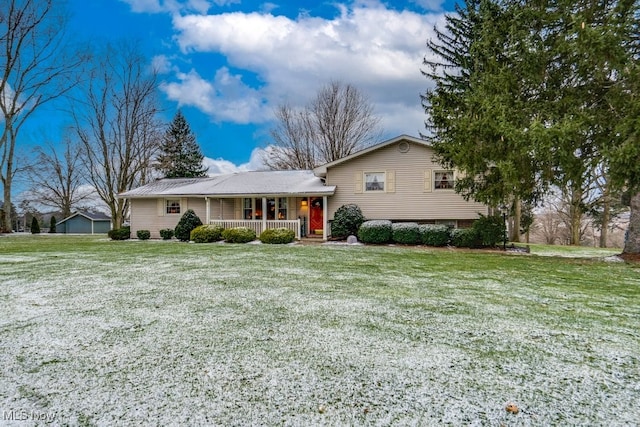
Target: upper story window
[443,180]
[374,181]
[172,206]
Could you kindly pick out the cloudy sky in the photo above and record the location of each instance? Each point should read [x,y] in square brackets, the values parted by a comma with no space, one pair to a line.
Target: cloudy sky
[228,63]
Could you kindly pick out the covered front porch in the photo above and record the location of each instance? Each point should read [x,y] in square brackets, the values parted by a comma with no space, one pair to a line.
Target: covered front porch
[305,215]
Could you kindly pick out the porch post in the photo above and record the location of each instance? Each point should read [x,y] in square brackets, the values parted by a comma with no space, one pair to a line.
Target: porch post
[324,218]
[264,213]
[207,203]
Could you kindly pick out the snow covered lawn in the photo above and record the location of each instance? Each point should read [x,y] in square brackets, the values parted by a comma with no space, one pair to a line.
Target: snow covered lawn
[94,332]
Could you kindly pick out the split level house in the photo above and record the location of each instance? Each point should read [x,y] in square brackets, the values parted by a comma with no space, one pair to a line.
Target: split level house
[397,180]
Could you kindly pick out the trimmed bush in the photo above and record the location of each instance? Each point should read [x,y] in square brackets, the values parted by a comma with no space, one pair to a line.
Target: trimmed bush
[35,226]
[435,234]
[346,221]
[52,224]
[490,230]
[377,232]
[166,233]
[239,235]
[405,233]
[206,233]
[143,234]
[277,236]
[123,233]
[188,222]
[465,238]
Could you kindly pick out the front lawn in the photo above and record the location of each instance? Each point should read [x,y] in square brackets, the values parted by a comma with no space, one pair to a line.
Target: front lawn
[95,332]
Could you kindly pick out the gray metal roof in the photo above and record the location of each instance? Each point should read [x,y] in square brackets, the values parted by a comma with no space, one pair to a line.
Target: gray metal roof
[93,216]
[256,183]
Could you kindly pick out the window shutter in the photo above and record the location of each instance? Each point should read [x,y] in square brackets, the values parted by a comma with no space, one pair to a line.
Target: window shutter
[358,182]
[391,182]
[427,181]
[161,210]
[238,206]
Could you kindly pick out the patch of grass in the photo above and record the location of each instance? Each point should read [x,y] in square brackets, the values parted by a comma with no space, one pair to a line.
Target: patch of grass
[163,332]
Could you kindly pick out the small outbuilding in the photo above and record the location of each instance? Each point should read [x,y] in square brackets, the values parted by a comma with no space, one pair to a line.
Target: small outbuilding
[83,222]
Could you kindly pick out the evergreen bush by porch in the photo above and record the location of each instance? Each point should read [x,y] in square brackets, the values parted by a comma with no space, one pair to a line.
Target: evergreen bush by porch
[465,238]
[490,229]
[207,233]
[35,226]
[435,234]
[239,235]
[277,236]
[376,232]
[166,233]
[52,224]
[405,233]
[143,234]
[346,221]
[123,233]
[188,222]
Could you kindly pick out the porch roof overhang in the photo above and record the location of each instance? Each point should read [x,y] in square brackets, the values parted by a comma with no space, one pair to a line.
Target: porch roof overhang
[243,184]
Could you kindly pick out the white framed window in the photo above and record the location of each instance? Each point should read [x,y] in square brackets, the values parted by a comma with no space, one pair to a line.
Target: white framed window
[443,180]
[172,206]
[374,181]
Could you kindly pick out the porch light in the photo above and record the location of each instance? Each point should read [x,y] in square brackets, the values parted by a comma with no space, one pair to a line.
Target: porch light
[304,203]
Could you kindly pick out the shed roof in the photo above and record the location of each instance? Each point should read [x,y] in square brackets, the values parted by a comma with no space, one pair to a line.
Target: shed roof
[92,216]
[255,183]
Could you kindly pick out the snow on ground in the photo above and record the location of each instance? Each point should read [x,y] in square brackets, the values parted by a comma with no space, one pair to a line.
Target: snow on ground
[257,335]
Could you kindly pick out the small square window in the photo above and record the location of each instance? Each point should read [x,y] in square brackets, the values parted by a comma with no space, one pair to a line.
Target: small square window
[173,206]
[374,181]
[444,180]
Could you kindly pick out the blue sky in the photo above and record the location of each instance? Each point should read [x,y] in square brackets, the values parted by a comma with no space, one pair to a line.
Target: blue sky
[228,63]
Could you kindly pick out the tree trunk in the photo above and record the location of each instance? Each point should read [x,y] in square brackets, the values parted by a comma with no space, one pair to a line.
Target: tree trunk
[606,217]
[517,215]
[632,240]
[575,217]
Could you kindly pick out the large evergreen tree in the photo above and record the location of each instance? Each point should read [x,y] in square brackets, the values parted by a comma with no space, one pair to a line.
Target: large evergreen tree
[530,95]
[180,155]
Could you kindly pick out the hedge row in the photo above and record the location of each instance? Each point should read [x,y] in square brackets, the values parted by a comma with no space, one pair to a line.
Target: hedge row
[487,231]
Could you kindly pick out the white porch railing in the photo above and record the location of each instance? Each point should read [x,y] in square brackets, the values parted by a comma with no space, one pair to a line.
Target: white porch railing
[259,225]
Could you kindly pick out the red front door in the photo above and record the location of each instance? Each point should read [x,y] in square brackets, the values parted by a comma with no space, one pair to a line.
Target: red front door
[315,216]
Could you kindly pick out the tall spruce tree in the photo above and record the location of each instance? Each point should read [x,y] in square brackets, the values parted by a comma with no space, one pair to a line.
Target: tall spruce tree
[530,95]
[180,155]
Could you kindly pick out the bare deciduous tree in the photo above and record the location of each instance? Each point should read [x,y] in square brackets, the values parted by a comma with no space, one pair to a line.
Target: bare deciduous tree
[55,177]
[36,67]
[117,125]
[338,122]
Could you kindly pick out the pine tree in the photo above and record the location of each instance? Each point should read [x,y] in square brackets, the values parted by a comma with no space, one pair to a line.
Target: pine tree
[35,226]
[180,155]
[52,224]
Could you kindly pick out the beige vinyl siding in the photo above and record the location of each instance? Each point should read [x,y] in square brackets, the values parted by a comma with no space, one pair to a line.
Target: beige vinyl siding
[410,196]
[146,214]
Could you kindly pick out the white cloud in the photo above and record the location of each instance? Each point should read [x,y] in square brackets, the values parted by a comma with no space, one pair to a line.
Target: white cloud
[377,49]
[174,6]
[225,98]
[221,166]
[430,4]
[161,64]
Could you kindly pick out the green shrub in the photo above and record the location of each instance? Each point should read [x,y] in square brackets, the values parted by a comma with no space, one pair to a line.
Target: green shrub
[143,234]
[239,235]
[123,233]
[52,224]
[206,233]
[490,230]
[377,232]
[346,221]
[435,235]
[166,233]
[405,233]
[35,226]
[188,222]
[277,236]
[465,238]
